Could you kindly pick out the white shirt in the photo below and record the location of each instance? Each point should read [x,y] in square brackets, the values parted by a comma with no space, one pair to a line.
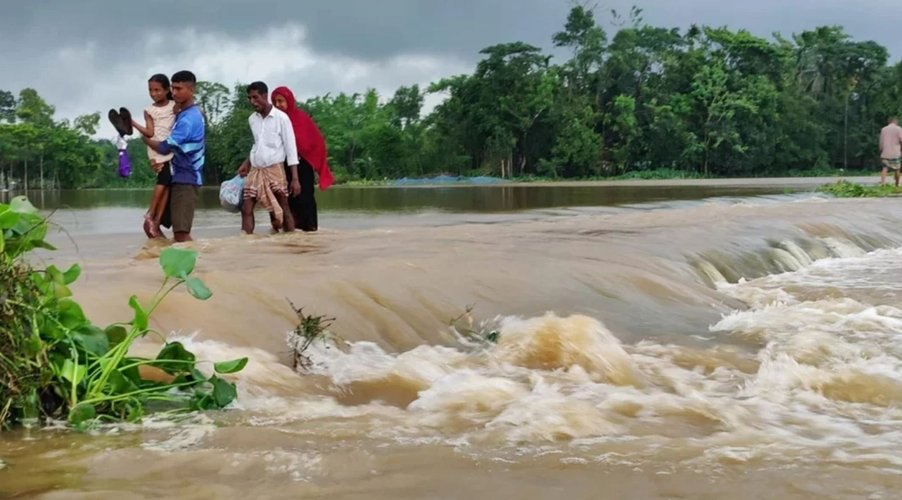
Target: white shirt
[273,139]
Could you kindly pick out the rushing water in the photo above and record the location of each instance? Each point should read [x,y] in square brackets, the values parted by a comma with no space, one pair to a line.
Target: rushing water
[710,345]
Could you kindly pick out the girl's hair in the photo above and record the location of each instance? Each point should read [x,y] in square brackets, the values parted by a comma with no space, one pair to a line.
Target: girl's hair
[164,81]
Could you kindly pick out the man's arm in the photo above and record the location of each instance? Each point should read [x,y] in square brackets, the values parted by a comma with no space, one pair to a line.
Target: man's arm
[294,186]
[178,136]
[159,146]
[291,145]
[245,167]
[291,156]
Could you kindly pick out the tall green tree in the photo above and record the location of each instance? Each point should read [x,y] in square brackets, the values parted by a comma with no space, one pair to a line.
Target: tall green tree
[213,99]
[32,108]
[7,106]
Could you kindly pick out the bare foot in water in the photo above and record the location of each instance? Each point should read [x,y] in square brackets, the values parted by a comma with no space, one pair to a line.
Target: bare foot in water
[275,226]
[148,227]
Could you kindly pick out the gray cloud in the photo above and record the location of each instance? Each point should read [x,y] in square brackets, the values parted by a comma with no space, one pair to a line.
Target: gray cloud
[91,55]
[360,28]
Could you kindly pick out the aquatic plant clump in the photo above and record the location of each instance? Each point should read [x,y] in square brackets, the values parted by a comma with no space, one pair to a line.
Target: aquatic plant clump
[56,364]
[23,364]
[482,335]
[846,189]
[309,329]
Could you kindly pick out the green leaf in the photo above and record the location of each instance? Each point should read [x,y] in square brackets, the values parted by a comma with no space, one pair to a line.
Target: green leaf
[196,376]
[27,233]
[140,319]
[135,413]
[224,392]
[72,274]
[51,282]
[55,275]
[234,366]
[81,413]
[49,330]
[115,334]
[26,223]
[58,290]
[8,219]
[198,289]
[21,226]
[37,229]
[174,351]
[20,204]
[44,245]
[72,372]
[132,374]
[119,383]
[177,261]
[93,340]
[70,314]
[203,401]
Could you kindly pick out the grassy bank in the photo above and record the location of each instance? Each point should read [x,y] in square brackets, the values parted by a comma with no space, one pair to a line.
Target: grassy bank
[652,174]
[846,189]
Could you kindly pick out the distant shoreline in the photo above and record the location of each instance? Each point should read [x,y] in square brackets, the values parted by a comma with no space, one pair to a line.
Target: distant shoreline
[775,182]
[727,182]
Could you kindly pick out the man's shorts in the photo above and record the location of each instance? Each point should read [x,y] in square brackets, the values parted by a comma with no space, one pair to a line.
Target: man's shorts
[892,163]
[182,200]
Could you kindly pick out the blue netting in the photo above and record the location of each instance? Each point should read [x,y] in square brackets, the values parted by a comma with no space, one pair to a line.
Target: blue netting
[448,179]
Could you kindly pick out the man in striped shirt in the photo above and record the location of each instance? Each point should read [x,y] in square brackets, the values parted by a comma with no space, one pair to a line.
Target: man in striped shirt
[186,143]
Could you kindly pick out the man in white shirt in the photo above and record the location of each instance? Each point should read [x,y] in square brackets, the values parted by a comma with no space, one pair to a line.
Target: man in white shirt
[274,144]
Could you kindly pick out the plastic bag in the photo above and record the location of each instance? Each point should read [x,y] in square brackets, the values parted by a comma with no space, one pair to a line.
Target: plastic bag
[125,164]
[230,193]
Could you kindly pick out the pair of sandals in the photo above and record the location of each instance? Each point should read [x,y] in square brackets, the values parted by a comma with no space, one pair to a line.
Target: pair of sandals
[122,121]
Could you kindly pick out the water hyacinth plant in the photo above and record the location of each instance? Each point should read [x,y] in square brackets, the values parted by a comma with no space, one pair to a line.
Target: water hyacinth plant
[56,364]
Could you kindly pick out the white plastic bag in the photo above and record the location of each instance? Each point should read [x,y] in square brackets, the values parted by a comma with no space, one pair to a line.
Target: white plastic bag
[230,193]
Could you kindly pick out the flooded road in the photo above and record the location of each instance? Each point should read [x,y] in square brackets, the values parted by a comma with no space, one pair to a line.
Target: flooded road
[731,344]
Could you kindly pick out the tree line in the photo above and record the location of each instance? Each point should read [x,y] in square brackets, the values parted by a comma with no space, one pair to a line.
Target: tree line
[702,101]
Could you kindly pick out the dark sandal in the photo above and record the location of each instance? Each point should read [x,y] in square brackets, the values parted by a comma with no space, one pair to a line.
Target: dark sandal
[127,120]
[117,122]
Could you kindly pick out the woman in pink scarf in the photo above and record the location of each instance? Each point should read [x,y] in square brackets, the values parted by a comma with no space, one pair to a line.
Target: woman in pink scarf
[311,157]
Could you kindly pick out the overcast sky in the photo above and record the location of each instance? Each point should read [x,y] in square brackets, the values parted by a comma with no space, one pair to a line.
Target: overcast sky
[90,55]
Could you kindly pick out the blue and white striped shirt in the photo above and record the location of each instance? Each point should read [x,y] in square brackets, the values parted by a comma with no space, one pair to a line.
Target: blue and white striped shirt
[186,142]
